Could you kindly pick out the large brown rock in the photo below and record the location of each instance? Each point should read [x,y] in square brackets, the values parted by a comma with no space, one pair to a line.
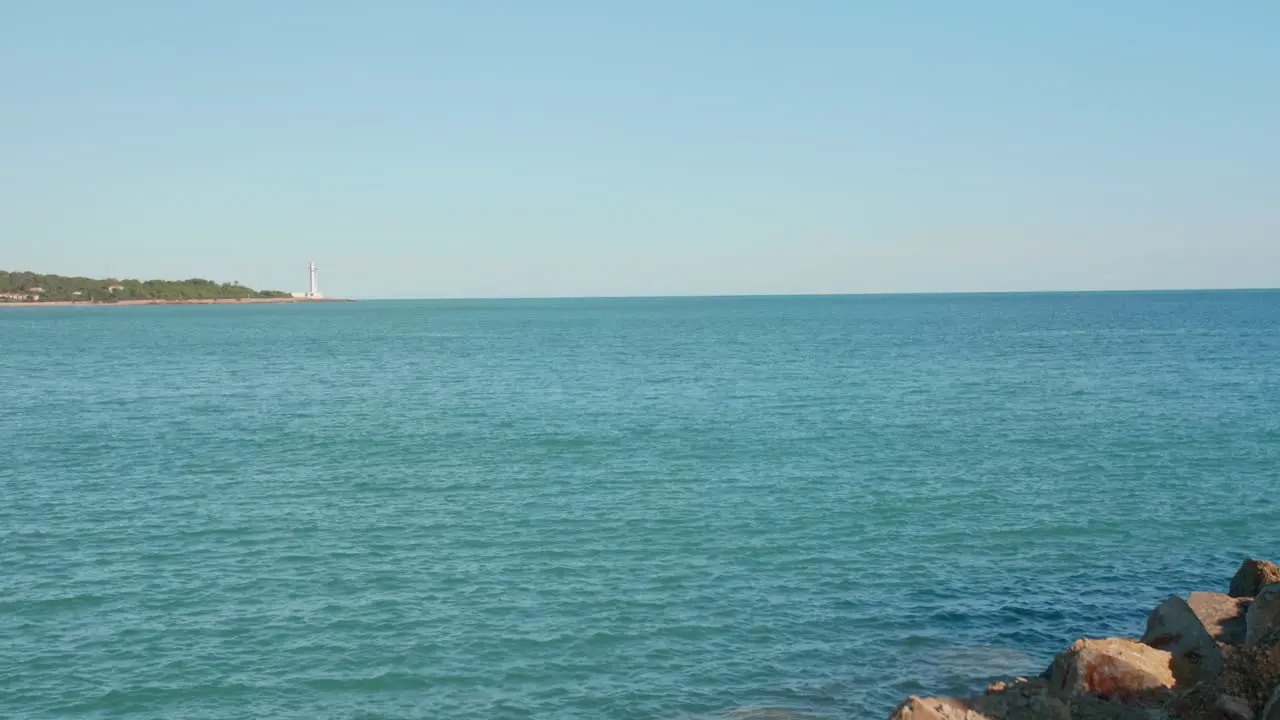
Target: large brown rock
[1252,576]
[1114,668]
[1175,627]
[1263,616]
[1221,615]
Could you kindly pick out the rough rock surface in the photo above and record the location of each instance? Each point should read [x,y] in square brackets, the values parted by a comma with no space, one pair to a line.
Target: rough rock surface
[1252,673]
[1023,700]
[1095,709]
[1263,616]
[1272,709]
[1221,615]
[1252,576]
[1175,627]
[918,708]
[1199,702]
[1234,707]
[1114,668]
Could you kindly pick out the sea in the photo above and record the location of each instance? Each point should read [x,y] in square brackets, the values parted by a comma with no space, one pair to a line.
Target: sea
[648,509]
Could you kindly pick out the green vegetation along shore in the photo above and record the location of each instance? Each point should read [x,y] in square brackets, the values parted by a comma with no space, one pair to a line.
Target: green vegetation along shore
[29,287]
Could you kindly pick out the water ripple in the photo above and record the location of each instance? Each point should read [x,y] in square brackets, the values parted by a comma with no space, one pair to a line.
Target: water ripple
[697,509]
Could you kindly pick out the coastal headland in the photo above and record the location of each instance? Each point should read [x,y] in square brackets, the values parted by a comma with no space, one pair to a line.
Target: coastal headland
[197,301]
[30,289]
[1209,656]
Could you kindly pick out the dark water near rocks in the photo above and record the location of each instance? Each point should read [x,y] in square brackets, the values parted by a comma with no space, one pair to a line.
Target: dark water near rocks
[612,508]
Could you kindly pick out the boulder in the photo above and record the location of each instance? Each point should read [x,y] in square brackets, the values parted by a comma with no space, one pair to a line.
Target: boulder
[1114,668]
[1021,700]
[1263,616]
[1252,576]
[1271,711]
[1221,615]
[918,708]
[1175,627]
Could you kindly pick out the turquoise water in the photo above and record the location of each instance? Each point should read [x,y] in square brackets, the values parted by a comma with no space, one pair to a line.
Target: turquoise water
[661,508]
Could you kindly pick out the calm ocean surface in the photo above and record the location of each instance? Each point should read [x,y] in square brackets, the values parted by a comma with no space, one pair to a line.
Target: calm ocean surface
[650,509]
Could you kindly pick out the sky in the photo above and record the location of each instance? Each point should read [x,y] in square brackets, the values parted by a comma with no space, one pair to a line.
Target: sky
[564,148]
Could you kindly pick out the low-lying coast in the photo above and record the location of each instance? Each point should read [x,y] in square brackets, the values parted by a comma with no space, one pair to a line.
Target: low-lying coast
[211,301]
[1211,656]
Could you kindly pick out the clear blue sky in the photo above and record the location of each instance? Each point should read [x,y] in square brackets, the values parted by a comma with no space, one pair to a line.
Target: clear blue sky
[572,147]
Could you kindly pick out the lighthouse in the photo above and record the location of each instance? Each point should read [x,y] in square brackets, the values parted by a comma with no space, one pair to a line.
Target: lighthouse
[313,290]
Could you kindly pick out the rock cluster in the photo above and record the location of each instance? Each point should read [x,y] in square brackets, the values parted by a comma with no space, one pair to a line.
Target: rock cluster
[1211,656]
[1252,576]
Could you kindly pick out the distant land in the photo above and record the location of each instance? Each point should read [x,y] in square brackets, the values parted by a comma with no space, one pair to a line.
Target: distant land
[32,289]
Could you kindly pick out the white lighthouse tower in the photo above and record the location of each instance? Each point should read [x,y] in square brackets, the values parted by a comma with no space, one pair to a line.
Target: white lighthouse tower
[313,290]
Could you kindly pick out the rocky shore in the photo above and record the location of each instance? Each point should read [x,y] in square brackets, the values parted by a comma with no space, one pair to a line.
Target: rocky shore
[1210,656]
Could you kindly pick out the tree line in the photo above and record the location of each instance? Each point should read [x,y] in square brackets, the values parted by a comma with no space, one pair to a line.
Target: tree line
[54,288]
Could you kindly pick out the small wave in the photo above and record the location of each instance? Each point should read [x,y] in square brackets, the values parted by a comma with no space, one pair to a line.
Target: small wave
[769,713]
[983,661]
[383,682]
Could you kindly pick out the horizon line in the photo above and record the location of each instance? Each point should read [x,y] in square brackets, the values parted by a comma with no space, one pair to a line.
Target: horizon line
[712,296]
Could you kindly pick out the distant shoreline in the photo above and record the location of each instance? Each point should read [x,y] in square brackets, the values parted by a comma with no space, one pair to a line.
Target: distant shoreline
[208,301]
